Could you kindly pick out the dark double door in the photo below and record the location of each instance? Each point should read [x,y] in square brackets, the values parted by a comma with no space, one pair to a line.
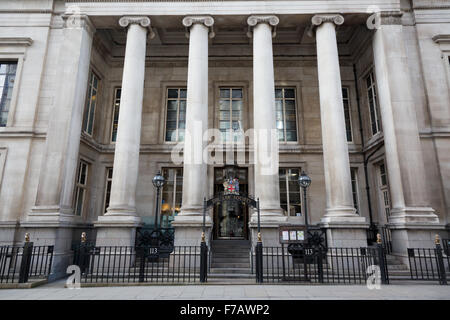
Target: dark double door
[230,217]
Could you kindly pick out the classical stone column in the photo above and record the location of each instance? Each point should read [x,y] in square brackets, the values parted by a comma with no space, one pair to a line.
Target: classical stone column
[117,226]
[345,226]
[52,217]
[188,223]
[412,219]
[265,133]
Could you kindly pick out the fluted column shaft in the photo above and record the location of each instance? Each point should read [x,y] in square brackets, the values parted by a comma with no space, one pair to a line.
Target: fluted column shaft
[126,155]
[335,150]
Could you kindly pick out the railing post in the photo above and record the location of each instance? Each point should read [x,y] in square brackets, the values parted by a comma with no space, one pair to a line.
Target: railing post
[319,264]
[140,252]
[440,262]
[259,260]
[83,254]
[381,260]
[26,260]
[203,260]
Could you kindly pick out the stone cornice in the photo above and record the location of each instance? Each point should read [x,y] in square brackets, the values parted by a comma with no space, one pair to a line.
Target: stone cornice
[143,21]
[271,20]
[441,38]
[78,21]
[207,21]
[16,41]
[427,4]
[391,17]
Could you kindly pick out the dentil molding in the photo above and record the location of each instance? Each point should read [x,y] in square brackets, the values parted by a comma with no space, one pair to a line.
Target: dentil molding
[271,20]
[207,21]
[143,21]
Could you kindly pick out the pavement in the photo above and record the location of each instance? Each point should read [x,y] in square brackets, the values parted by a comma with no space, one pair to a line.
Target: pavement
[403,291]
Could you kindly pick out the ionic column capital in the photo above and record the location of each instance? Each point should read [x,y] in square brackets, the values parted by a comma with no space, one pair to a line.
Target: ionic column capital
[271,20]
[207,21]
[318,19]
[142,21]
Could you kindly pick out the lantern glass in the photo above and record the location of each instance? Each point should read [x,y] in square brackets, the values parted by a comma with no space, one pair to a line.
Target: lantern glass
[158,180]
[304,180]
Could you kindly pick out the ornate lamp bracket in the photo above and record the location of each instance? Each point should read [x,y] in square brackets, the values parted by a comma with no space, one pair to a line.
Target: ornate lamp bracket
[143,21]
[208,21]
[271,20]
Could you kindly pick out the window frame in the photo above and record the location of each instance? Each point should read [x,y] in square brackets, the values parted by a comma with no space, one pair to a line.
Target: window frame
[19,59]
[107,179]
[88,103]
[347,88]
[374,90]
[355,191]
[242,120]
[384,190]
[174,197]
[293,87]
[115,89]
[166,105]
[287,213]
[84,187]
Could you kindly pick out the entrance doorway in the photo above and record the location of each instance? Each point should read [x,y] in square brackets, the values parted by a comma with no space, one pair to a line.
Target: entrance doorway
[230,217]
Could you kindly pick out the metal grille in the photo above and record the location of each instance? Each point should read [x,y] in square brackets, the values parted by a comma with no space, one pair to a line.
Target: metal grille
[428,264]
[124,264]
[22,263]
[335,265]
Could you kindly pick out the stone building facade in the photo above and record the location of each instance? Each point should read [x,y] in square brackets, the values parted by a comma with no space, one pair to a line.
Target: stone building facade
[98,96]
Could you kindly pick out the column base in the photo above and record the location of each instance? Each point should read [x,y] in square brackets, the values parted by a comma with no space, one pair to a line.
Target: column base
[346,231]
[53,226]
[117,230]
[9,233]
[189,228]
[413,215]
[415,235]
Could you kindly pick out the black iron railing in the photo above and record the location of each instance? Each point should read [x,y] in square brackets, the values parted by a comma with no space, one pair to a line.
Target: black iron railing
[428,264]
[311,264]
[386,239]
[23,263]
[124,264]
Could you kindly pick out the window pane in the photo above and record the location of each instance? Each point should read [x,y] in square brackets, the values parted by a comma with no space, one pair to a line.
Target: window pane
[236,105]
[291,135]
[237,93]
[289,93]
[182,105]
[172,105]
[7,76]
[172,93]
[91,100]
[224,115]
[289,104]
[224,105]
[224,93]
[278,93]
[183,93]
[170,135]
[278,105]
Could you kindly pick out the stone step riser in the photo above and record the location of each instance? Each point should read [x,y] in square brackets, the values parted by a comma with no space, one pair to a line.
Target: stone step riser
[230,265]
